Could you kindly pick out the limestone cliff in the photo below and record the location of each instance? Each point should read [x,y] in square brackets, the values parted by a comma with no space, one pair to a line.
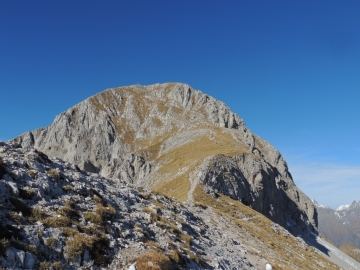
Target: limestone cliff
[171,138]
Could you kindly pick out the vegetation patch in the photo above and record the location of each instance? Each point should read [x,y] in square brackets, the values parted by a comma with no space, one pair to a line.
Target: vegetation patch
[153,260]
[93,218]
[37,215]
[97,247]
[54,174]
[32,173]
[67,188]
[44,266]
[69,211]
[244,217]
[57,222]
[51,242]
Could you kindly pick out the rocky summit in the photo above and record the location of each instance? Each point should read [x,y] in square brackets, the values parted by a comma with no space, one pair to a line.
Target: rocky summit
[154,177]
[171,138]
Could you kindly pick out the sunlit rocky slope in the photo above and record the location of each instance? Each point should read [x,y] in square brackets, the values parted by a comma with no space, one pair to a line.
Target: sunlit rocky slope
[55,216]
[173,139]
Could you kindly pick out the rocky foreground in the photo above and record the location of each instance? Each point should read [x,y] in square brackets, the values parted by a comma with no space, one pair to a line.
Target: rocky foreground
[55,216]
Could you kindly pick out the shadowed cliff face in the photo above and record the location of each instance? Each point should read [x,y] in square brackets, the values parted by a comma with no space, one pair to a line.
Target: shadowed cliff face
[170,138]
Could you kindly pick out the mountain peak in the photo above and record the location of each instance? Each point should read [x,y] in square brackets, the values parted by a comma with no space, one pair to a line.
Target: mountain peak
[171,139]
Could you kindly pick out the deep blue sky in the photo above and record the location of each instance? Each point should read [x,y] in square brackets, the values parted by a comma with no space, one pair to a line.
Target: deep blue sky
[290,69]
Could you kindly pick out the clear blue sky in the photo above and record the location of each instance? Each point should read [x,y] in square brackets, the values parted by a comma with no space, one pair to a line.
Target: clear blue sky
[290,69]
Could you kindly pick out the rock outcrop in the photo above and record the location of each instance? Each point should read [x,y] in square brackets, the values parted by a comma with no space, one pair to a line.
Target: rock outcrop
[170,138]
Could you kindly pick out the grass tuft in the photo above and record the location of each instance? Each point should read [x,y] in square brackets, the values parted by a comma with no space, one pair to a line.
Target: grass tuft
[54,174]
[57,222]
[51,242]
[153,260]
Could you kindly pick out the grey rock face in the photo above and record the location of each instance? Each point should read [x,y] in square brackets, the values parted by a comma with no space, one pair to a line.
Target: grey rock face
[141,133]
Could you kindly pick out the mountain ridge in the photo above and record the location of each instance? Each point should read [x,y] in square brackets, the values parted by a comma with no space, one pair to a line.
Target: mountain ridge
[157,136]
[341,226]
[55,215]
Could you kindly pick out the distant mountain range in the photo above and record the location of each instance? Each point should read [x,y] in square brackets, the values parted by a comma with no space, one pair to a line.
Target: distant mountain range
[341,226]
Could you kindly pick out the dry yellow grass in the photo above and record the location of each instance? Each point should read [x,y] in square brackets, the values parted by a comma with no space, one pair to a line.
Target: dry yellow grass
[189,156]
[153,260]
[286,248]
